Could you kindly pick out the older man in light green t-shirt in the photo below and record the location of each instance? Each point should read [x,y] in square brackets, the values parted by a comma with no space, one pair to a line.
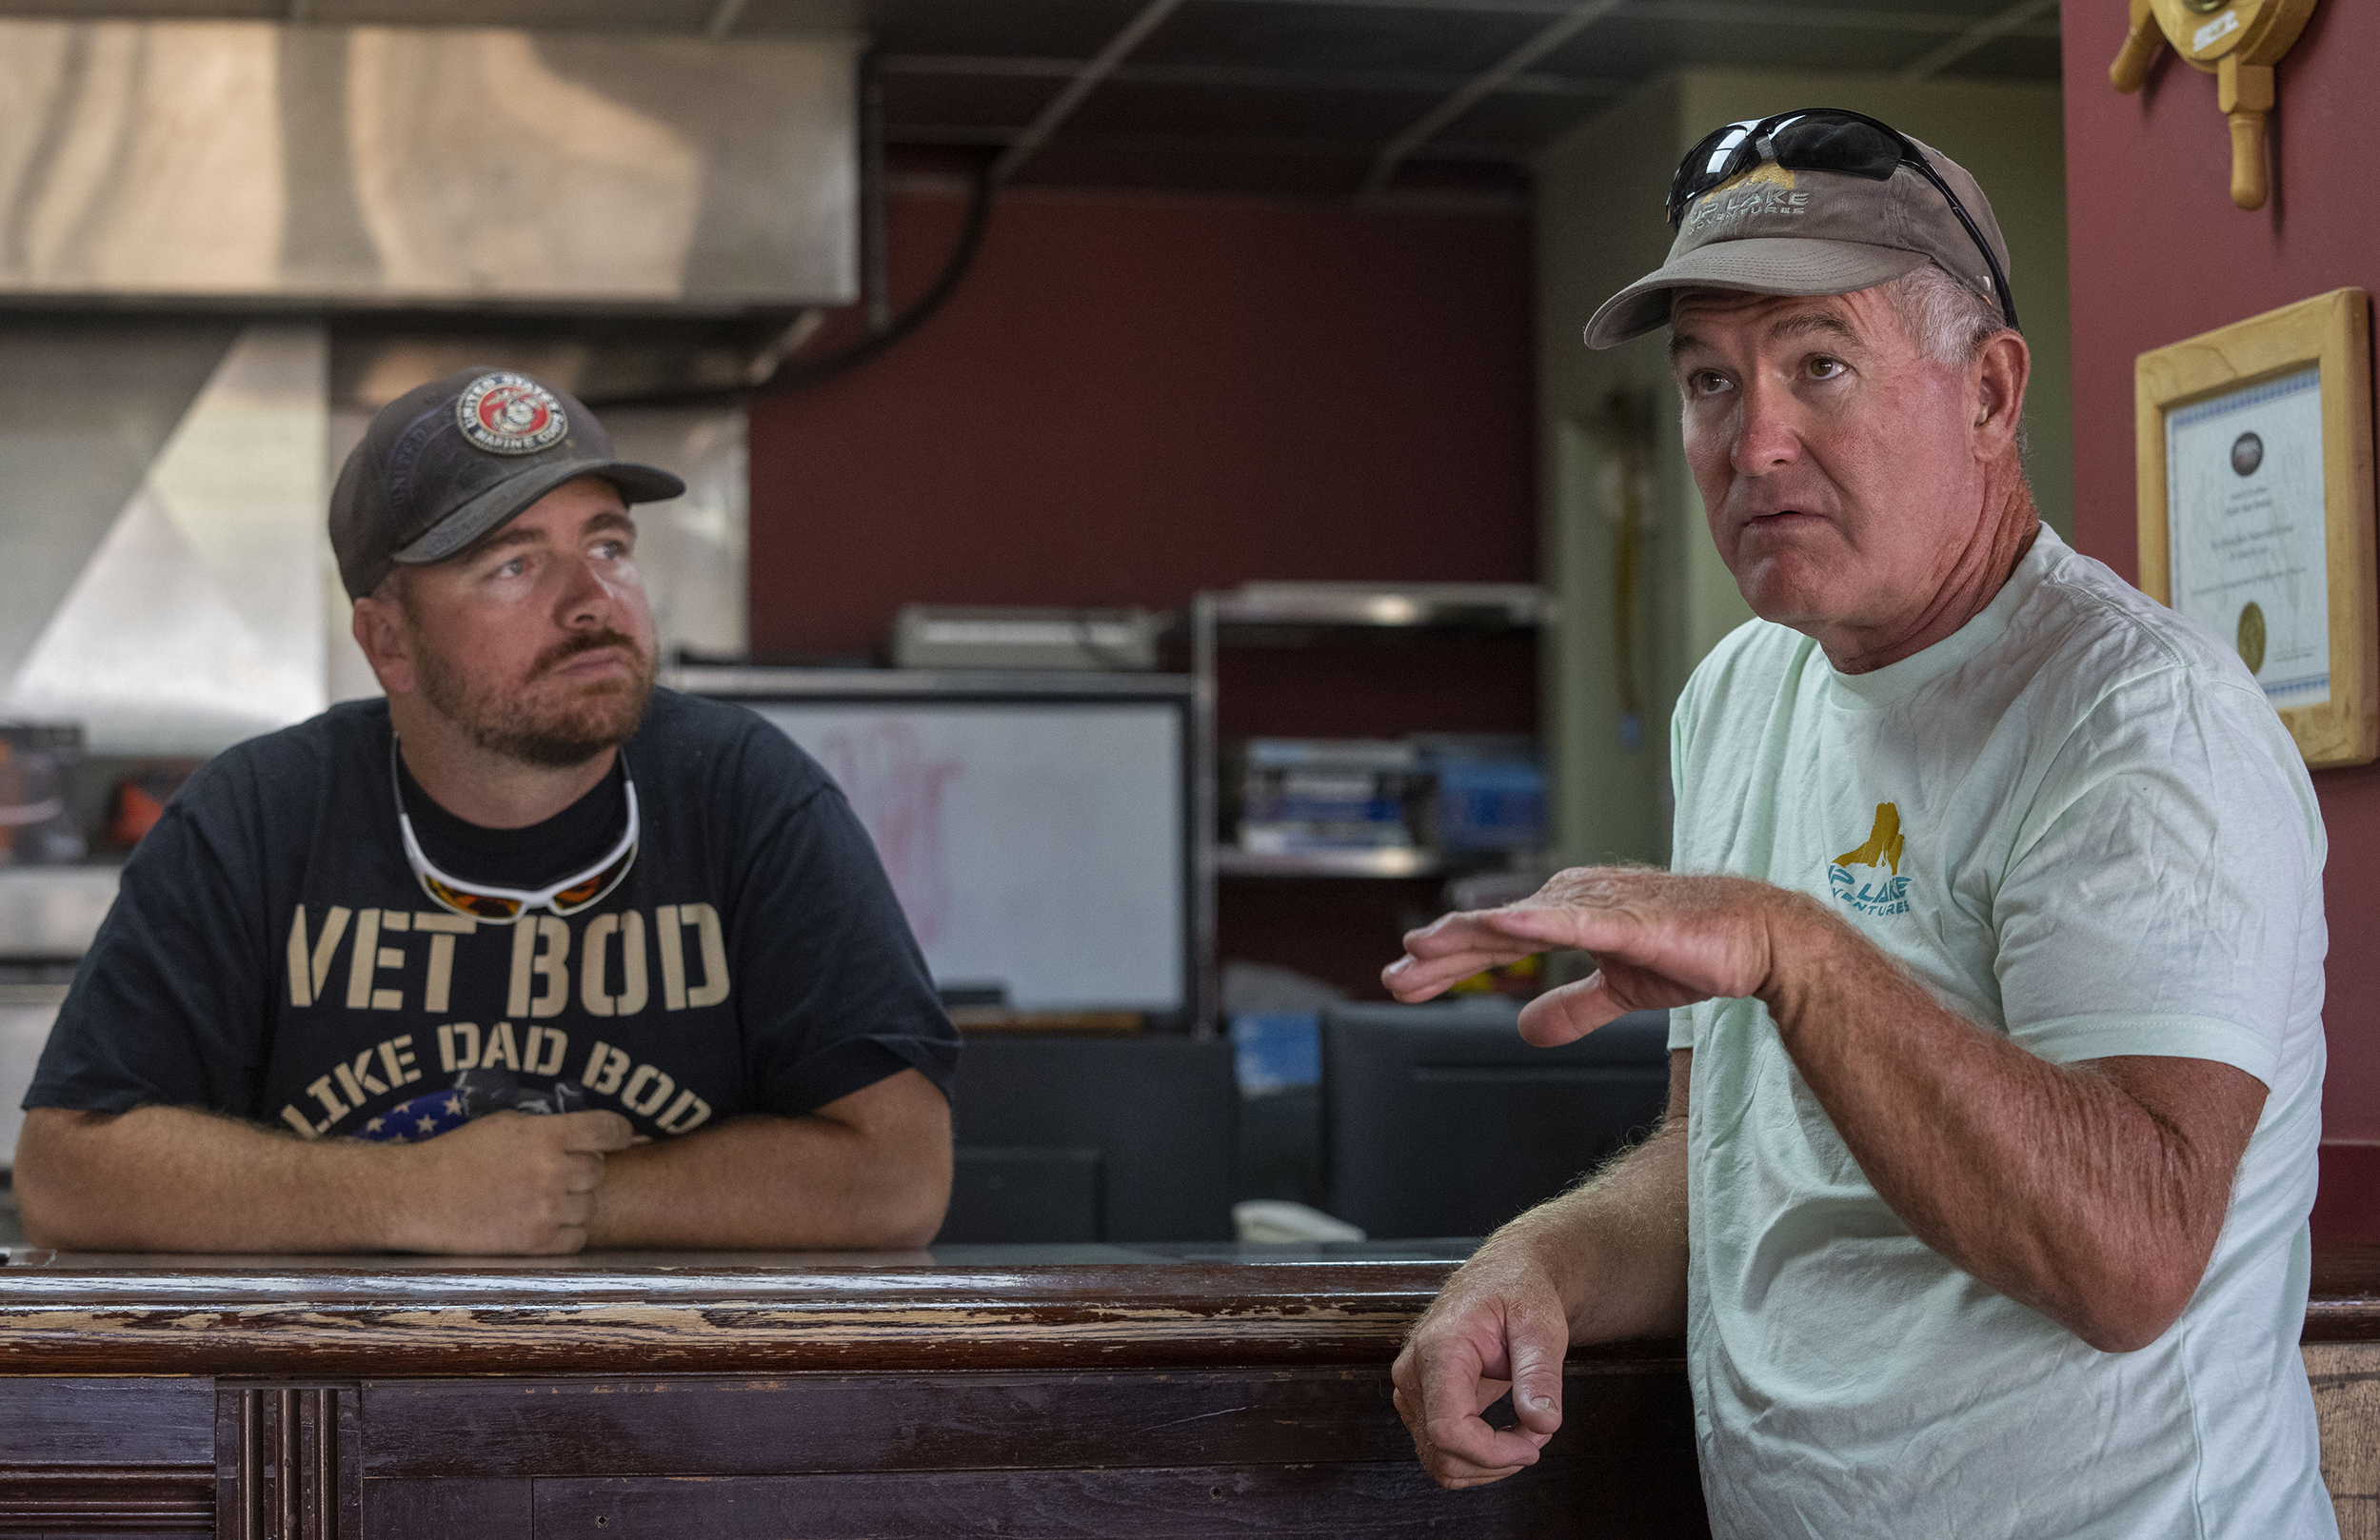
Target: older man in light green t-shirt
[1994,948]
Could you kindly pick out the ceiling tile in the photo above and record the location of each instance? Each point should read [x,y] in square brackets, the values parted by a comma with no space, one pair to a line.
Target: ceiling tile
[1522,123]
[1948,13]
[1047,28]
[1193,167]
[1429,176]
[1359,118]
[1627,46]
[1319,36]
[912,101]
[2010,58]
[1275,96]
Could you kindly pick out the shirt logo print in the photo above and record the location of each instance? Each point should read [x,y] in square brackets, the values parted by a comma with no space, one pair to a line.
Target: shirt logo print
[1882,889]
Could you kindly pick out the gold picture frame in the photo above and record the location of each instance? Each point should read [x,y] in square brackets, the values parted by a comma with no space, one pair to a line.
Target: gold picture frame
[2238,519]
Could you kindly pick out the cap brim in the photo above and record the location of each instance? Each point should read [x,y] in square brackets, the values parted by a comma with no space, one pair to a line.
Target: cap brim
[1759,265]
[500,505]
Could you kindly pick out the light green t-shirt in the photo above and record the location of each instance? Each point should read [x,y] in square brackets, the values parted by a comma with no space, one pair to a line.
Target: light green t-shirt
[2076,821]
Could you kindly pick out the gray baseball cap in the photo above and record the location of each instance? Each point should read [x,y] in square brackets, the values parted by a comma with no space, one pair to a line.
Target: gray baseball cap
[1772,230]
[451,461]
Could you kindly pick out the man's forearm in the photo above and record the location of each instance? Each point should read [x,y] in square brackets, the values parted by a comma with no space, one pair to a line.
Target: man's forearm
[870,1171]
[2073,1188]
[1615,1246]
[176,1179]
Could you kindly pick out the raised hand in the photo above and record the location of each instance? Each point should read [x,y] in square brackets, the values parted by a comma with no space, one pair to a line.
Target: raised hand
[1658,940]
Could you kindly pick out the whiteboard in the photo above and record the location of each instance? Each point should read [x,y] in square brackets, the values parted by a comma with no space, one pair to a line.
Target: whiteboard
[1035,846]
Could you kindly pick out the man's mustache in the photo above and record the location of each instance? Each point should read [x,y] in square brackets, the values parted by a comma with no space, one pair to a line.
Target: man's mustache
[561,652]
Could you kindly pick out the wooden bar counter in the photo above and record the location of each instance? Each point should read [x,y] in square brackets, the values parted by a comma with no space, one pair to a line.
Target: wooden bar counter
[977,1391]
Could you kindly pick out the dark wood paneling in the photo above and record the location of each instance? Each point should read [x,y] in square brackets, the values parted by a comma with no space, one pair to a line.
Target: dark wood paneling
[115,1422]
[107,1456]
[1141,1399]
[1372,1501]
[2344,1306]
[822,1423]
[92,1499]
[451,1510]
[287,1462]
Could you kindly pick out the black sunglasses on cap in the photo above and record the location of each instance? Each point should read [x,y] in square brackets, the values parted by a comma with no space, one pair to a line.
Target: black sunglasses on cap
[1820,139]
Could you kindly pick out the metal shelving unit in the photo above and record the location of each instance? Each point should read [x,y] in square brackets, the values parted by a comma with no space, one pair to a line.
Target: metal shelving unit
[1394,863]
[1249,612]
[1303,614]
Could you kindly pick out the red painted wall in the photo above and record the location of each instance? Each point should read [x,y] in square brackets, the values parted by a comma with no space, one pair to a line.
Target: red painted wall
[2156,253]
[1132,398]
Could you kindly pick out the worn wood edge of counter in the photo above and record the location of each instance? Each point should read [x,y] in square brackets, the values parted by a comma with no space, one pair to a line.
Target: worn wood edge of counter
[351,1318]
[352,1321]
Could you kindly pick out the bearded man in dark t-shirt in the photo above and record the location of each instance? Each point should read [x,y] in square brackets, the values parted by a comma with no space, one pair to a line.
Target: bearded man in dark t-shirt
[529,957]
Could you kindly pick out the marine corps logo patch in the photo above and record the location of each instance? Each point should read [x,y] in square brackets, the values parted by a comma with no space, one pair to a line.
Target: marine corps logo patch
[510,414]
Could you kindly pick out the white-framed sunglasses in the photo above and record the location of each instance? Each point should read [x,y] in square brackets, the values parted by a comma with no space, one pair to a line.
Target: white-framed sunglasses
[501,906]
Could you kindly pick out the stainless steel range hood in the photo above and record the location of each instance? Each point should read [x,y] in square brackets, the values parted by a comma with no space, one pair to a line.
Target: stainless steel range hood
[165,162]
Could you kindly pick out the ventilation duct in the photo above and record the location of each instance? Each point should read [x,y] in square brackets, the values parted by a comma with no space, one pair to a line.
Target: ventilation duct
[170,162]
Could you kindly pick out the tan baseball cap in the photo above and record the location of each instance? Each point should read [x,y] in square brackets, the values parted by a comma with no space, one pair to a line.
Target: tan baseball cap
[1774,231]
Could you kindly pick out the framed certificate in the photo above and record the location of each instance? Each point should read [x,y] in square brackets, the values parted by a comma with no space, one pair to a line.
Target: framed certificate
[2256,508]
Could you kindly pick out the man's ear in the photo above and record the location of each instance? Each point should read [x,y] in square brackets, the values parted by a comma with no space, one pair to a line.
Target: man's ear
[2002,369]
[380,630]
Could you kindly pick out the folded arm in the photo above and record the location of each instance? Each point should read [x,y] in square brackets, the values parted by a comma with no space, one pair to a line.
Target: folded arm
[2092,1193]
[180,1180]
[871,1168]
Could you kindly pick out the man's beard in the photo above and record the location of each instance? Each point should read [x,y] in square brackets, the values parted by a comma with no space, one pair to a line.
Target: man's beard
[502,722]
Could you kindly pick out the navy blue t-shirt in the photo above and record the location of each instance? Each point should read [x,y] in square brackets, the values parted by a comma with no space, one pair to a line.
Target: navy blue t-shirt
[270,954]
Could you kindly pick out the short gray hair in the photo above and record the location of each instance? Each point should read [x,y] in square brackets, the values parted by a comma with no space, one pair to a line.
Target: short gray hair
[1949,322]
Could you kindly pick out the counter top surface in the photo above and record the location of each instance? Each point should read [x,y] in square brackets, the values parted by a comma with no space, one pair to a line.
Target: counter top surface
[973,1307]
[947,1258]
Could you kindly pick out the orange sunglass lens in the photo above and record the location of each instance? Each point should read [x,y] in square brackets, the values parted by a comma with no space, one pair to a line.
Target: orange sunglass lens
[485,905]
[593,888]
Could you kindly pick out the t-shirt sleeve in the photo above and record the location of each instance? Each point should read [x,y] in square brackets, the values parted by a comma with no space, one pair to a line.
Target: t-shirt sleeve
[836,996]
[168,1007]
[2160,885]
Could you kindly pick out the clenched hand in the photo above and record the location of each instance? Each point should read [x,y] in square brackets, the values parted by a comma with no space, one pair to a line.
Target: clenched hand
[1499,1325]
[505,1184]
